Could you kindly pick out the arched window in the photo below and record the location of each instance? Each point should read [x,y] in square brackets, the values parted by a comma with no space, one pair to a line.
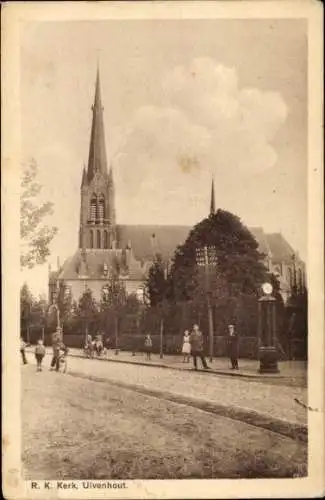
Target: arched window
[91,239]
[290,277]
[93,208]
[105,239]
[98,238]
[101,207]
[300,279]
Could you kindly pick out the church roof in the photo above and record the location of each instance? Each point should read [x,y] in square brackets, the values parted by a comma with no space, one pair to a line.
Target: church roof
[280,249]
[148,240]
[90,264]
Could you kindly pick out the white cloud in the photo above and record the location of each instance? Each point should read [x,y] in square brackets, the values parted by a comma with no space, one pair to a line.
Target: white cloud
[205,123]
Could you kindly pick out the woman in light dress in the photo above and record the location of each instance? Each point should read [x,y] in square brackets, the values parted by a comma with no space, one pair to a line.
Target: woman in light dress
[186,349]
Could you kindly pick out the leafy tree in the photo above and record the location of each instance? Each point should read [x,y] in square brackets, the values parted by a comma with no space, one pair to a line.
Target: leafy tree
[88,310]
[35,235]
[239,270]
[39,311]
[26,305]
[64,302]
[156,285]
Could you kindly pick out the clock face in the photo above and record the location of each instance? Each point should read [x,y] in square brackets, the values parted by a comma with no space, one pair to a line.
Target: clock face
[267,288]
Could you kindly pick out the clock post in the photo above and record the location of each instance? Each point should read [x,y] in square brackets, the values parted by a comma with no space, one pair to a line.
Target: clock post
[267,349]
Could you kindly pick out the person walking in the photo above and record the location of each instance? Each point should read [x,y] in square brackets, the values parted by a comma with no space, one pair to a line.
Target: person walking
[186,349]
[196,339]
[233,347]
[39,354]
[23,346]
[148,346]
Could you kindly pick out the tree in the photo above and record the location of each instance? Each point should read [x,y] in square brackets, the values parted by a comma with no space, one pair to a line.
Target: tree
[26,305]
[156,285]
[64,303]
[35,235]
[38,312]
[240,269]
[87,310]
[113,301]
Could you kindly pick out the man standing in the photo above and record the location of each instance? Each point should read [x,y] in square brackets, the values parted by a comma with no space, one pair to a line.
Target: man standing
[196,340]
[233,347]
[56,342]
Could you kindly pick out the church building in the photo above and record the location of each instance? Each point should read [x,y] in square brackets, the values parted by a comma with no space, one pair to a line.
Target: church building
[125,252]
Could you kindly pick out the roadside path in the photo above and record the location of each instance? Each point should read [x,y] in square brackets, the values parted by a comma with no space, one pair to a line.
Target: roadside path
[246,394]
[292,373]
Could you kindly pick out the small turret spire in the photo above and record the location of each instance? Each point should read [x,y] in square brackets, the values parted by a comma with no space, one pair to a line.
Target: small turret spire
[212,200]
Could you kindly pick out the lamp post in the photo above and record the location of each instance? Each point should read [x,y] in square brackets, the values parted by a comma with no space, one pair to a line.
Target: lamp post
[140,298]
[206,257]
[267,349]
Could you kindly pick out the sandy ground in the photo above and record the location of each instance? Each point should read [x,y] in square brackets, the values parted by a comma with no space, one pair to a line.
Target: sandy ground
[79,429]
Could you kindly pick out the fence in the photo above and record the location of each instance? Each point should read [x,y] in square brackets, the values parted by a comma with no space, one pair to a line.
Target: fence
[180,316]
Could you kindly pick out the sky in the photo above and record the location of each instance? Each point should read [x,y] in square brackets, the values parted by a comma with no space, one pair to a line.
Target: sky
[183,100]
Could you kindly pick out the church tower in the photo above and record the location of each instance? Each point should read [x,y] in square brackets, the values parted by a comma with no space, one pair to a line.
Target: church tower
[97,211]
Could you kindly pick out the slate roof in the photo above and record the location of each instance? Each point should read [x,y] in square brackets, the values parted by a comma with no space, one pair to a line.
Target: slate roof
[144,245]
[279,248]
[90,264]
[146,241]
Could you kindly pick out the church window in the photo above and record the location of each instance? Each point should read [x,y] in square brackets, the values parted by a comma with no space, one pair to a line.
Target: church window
[101,208]
[91,239]
[300,279]
[93,208]
[290,277]
[98,239]
[105,239]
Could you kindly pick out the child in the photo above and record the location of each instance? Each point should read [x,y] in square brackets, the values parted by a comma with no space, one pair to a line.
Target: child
[148,345]
[39,354]
[186,349]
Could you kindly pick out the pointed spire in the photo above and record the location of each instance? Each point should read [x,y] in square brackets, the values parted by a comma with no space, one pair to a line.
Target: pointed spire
[212,201]
[110,173]
[84,177]
[97,150]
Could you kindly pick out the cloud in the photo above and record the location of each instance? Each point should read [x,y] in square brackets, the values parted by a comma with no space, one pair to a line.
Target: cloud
[206,123]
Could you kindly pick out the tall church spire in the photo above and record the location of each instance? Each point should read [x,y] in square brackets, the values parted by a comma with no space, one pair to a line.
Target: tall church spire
[212,201]
[97,151]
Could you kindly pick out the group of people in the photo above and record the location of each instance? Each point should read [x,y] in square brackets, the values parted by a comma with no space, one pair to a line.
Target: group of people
[193,345]
[60,352]
[96,345]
